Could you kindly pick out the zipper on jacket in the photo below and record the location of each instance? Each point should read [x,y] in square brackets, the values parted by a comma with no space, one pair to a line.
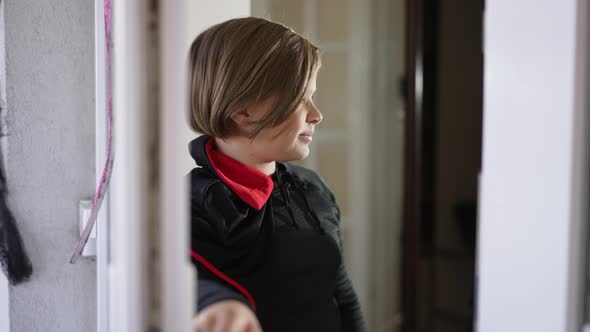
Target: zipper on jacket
[287,199]
[292,181]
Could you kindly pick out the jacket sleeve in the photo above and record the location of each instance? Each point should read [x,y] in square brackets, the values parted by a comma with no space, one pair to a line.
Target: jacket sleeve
[210,291]
[217,237]
[348,303]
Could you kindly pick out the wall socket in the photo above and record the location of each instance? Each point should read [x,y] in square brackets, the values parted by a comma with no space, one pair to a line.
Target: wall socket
[90,248]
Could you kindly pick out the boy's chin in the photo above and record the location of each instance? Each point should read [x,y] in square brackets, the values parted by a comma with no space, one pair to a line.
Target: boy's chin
[297,155]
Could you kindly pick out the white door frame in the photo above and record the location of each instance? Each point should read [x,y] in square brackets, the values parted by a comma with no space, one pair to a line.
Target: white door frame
[100,144]
[534,183]
[139,299]
[151,284]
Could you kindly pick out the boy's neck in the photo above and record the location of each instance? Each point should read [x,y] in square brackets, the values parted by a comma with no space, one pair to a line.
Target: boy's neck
[240,149]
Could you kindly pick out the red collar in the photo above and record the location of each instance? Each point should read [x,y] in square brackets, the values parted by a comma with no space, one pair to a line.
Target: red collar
[250,184]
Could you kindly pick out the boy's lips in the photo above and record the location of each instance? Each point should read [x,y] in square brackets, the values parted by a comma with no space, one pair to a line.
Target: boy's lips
[307,136]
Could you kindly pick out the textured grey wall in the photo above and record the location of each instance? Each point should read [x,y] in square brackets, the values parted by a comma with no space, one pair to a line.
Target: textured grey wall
[50,166]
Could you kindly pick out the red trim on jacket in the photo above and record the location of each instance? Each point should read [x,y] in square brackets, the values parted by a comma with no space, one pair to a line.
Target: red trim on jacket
[250,184]
[225,278]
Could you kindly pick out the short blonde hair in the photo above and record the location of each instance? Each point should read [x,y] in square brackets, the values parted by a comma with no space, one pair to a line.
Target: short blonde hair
[244,61]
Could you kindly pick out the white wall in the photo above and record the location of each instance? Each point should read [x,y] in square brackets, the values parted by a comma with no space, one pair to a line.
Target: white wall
[4,308]
[534,163]
[50,161]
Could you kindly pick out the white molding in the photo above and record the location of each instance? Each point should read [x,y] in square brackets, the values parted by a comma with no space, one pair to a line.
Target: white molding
[100,144]
[177,282]
[127,281]
[577,287]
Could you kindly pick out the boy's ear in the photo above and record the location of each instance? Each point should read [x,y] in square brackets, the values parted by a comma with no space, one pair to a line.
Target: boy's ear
[242,117]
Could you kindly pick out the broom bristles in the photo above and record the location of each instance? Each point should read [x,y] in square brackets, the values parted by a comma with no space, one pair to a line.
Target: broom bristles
[14,260]
[15,263]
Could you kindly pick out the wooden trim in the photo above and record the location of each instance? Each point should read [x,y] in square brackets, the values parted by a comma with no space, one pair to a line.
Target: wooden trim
[419,151]
[410,229]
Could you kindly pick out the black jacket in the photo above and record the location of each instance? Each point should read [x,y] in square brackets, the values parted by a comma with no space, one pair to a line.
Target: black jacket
[284,260]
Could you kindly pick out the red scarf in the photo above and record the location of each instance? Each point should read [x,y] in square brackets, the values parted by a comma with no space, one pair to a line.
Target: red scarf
[250,184]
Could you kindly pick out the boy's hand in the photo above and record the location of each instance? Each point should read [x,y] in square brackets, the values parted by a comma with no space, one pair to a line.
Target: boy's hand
[226,316]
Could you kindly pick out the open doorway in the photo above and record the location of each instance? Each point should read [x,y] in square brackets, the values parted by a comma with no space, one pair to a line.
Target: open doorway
[442,163]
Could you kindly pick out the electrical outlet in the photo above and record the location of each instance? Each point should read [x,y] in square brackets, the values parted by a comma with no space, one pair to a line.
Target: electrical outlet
[90,248]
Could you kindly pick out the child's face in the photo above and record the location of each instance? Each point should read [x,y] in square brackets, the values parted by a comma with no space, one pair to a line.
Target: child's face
[290,140]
